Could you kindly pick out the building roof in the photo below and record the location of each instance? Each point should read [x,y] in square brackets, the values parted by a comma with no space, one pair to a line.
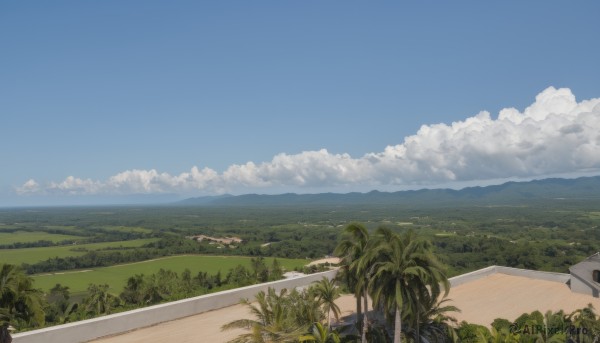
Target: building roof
[483,298]
[507,296]
[587,266]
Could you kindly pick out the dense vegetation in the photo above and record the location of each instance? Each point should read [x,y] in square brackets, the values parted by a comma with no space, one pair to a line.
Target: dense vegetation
[545,235]
[25,306]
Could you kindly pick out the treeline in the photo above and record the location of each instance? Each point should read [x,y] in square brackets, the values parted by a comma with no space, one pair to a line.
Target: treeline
[145,290]
[467,253]
[25,307]
[108,257]
[99,236]
[174,245]
[39,244]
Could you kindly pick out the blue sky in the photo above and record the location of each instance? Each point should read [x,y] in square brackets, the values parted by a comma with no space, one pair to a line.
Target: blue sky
[113,98]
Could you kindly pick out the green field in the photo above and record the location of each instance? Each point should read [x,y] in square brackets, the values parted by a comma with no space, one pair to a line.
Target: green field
[34,255]
[33,236]
[127,229]
[116,276]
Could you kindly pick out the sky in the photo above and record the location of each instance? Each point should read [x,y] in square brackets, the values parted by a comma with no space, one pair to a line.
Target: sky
[126,101]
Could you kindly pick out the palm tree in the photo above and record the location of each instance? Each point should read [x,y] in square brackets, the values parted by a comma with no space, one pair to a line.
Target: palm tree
[100,300]
[4,326]
[433,322]
[351,249]
[584,319]
[279,317]
[326,293]
[21,301]
[59,307]
[502,335]
[551,324]
[402,270]
[269,321]
[320,334]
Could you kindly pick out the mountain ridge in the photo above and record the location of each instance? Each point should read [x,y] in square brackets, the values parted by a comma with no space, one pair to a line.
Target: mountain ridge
[508,192]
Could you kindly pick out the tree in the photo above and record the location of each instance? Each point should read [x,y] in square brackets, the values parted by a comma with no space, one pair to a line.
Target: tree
[133,292]
[59,307]
[270,322]
[433,322]
[320,334]
[351,249]
[402,270]
[279,317]
[4,326]
[276,271]
[100,300]
[584,323]
[326,293]
[22,303]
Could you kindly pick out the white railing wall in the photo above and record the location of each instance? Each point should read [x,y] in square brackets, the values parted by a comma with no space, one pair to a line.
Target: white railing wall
[531,274]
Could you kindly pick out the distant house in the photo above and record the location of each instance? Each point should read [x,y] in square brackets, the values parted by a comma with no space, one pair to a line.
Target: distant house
[585,276]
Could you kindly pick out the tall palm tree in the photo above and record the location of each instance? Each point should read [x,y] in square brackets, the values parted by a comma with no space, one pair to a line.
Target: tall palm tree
[326,292]
[351,249]
[401,271]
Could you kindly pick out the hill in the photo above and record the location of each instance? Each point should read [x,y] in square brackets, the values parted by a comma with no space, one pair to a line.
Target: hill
[553,189]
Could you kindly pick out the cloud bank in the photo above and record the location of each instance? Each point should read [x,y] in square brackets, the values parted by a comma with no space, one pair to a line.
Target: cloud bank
[556,134]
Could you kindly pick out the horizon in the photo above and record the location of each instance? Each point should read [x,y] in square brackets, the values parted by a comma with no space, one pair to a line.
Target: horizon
[194,99]
[149,200]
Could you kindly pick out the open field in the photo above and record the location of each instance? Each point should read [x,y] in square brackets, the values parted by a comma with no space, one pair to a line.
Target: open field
[33,236]
[34,255]
[116,276]
[127,229]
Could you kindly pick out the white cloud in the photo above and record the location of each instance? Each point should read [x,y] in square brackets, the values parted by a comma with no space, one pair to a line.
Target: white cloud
[31,186]
[556,134]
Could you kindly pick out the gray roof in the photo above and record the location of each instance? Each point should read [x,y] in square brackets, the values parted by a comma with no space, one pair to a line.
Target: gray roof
[587,266]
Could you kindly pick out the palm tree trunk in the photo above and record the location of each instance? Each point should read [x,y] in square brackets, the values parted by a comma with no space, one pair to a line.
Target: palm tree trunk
[359,318]
[397,326]
[365,319]
[329,319]
[418,338]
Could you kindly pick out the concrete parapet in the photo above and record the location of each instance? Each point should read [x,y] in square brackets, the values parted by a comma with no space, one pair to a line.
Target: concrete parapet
[534,274]
[472,276]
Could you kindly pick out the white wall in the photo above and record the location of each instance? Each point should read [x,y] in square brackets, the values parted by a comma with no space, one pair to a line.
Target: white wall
[532,274]
[86,330]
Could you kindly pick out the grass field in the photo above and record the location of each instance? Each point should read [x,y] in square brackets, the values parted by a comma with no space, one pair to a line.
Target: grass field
[33,255]
[127,229]
[116,276]
[29,236]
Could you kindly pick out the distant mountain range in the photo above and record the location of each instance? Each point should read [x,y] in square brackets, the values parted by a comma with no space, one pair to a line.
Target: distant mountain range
[583,188]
